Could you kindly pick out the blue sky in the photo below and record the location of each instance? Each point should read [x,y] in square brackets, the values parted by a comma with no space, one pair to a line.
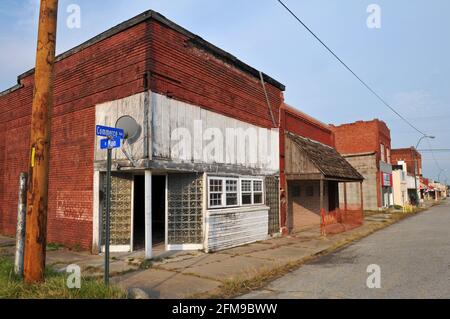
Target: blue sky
[406,60]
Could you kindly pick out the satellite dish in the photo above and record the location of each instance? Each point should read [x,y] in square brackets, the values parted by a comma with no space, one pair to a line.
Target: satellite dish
[131,128]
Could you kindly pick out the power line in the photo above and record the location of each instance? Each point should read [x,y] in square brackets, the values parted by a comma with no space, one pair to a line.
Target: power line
[441,170]
[350,70]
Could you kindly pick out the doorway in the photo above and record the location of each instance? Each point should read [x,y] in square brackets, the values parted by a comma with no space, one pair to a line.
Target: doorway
[158,197]
[158,209]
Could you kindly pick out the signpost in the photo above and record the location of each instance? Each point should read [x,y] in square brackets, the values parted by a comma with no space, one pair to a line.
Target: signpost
[113,138]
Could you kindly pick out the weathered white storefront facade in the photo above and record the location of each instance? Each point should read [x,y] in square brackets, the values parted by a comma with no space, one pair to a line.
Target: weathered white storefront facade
[190,179]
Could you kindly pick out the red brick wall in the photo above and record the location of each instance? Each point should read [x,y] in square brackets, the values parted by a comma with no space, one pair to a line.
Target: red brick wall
[110,69]
[362,137]
[306,126]
[407,155]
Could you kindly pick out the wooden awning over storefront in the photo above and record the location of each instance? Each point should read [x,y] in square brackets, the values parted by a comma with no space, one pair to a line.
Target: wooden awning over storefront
[309,160]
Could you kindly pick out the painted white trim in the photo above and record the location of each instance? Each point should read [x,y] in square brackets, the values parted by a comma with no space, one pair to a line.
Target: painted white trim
[166,217]
[185,247]
[96,213]
[205,229]
[132,216]
[223,193]
[252,191]
[239,191]
[148,215]
[247,209]
[117,248]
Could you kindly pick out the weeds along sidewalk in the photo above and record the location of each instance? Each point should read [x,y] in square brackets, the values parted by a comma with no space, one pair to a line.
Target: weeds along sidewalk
[229,273]
[223,274]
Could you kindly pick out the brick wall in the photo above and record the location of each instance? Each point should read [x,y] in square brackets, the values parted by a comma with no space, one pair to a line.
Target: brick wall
[365,137]
[362,137]
[304,125]
[407,155]
[107,68]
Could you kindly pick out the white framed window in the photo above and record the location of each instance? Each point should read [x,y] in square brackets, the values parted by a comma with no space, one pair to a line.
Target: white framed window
[224,192]
[252,191]
[231,192]
[215,191]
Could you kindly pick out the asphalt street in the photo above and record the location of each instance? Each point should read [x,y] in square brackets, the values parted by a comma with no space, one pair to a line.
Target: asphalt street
[413,258]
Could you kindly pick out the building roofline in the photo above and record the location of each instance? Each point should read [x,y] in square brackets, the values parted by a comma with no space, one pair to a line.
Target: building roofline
[147,15]
[307,117]
[376,120]
[359,154]
[11,89]
[411,148]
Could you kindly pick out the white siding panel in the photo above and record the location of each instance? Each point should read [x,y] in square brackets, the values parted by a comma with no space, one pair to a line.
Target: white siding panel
[157,131]
[165,127]
[109,112]
[234,227]
[170,114]
[167,115]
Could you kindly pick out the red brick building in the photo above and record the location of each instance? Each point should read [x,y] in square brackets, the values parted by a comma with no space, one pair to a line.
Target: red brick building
[367,146]
[311,171]
[410,156]
[163,76]
[180,181]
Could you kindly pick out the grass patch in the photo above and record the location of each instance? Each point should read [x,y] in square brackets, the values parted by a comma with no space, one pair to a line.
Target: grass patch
[54,246]
[54,287]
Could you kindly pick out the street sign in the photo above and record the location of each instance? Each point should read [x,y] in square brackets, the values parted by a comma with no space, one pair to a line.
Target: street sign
[113,138]
[110,143]
[111,132]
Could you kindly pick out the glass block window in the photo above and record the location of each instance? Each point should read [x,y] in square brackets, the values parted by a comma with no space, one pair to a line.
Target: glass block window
[121,209]
[185,209]
[272,199]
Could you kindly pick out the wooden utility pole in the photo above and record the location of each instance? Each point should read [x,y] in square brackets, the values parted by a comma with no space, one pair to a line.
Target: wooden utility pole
[36,219]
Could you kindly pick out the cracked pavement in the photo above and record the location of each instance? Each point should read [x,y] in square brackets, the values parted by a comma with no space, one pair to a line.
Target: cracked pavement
[414,256]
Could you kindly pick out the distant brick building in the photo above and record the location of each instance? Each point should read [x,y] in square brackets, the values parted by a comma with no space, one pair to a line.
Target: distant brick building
[410,156]
[367,146]
[412,159]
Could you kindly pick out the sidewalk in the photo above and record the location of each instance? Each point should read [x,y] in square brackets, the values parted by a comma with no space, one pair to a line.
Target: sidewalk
[223,274]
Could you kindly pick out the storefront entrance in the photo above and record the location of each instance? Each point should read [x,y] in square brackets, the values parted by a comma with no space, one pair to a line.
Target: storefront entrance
[158,210]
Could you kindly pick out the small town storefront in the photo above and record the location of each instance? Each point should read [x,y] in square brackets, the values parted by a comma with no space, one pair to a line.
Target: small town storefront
[313,173]
[171,188]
